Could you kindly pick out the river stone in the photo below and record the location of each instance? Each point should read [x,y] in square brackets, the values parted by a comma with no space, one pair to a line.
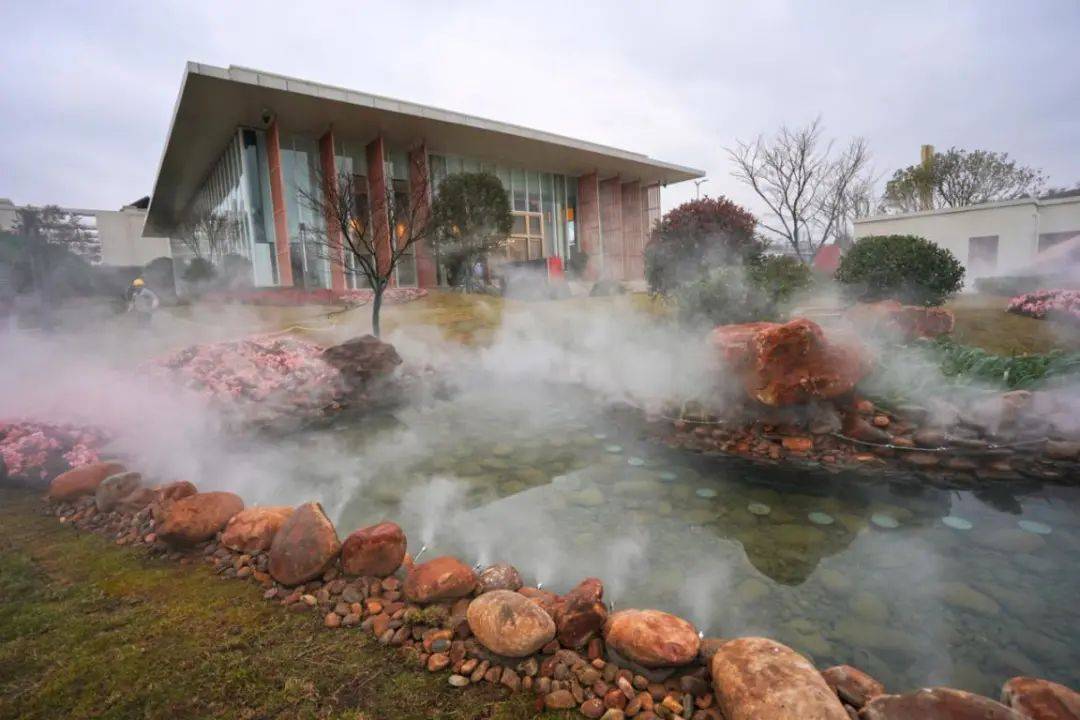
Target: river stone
[965,597]
[869,607]
[1041,699]
[1010,540]
[834,581]
[197,517]
[83,480]
[759,509]
[253,529]
[377,550]
[115,488]
[305,546]
[1035,527]
[886,522]
[581,614]
[170,493]
[500,576]
[937,704]
[507,623]
[442,578]
[652,638]
[956,523]
[821,518]
[852,685]
[751,590]
[760,679]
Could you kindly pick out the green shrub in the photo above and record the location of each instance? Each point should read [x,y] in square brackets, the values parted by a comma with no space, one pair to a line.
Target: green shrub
[907,268]
[726,295]
[780,277]
[199,270]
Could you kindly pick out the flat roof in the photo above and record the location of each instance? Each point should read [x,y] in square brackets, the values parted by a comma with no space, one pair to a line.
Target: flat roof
[980,207]
[214,101]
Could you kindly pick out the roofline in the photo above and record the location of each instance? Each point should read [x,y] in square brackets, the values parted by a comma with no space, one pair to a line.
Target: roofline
[1038,202]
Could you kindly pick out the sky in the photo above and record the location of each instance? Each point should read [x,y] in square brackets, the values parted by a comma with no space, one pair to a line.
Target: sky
[87,89]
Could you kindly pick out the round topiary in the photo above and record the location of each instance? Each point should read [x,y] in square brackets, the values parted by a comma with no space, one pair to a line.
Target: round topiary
[906,268]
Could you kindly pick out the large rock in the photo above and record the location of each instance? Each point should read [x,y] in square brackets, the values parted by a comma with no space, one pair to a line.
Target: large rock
[253,529]
[443,578]
[937,704]
[507,623]
[760,679]
[652,638]
[377,550]
[304,547]
[197,517]
[852,685]
[83,480]
[500,576]
[581,613]
[901,323]
[1041,699]
[167,494]
[362,360]
[115,488]
[791,363]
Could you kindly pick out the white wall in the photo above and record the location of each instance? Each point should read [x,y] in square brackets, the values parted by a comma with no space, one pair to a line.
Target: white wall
[120,233]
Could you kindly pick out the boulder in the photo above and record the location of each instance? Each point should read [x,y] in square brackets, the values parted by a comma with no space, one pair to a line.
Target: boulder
[377,550]
[253,529]
[760,679]
[581,613]
[169,493]
[901,323]
[137,500]
[852,685]
[1041,699]
[83,480]
[547,600]
[507,623]
[652,638]
[500,576]
[362,360]
[937,704]
[443,578]
[197,517]
[304,547]
[115,488]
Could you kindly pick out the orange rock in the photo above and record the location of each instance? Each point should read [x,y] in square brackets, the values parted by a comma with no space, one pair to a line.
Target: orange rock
[581,613]
[83,480]
[652,638]
[197,517]
[377,550]
[253,529]
[937,704]
[1041,699]
[901,323]
[798,444]
[305,546]
[852,685]
[443,578]
[507,623]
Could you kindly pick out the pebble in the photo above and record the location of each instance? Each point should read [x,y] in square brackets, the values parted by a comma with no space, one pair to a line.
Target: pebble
[1035,527]
[613,448]
[820,518]
[458,681]
[705,493]
[887,522]
[600,436]
[667,476]
[956,523]
[760,509]
[635,461]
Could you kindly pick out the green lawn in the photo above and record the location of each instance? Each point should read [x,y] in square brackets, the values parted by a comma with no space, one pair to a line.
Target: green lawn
[981,321]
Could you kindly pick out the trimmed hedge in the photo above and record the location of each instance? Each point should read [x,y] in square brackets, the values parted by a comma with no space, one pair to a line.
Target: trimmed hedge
[907,268]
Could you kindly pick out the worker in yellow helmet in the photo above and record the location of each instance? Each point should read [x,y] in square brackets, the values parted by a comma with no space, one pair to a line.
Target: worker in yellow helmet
[142,301]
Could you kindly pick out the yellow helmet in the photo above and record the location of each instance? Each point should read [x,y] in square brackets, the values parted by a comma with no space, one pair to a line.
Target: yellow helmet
[138,282]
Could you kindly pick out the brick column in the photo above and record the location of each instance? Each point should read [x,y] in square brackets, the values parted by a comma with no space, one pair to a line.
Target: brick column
[611,222]
[277,198]
[633,230]
[420,196]
[588,224]
[380,209]
[328,166]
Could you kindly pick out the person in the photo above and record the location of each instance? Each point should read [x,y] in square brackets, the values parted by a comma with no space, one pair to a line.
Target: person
[141,300]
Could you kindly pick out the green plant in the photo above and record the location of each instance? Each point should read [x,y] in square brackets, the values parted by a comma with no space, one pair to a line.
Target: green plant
[971,364]
[780,277]
[470,219]
[907,268]
[199,270]
[726,295]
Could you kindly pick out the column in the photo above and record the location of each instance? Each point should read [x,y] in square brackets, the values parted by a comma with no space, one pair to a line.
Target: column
[328,166]
[380,204]
[277,197]
[420,196]
[588,224]
[611,222]
[633,230]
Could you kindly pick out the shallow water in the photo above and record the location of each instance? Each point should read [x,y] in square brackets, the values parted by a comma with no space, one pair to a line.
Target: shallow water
[916,585]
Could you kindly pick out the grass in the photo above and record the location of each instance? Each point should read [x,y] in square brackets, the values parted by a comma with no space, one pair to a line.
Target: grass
[981,321]
[91,630]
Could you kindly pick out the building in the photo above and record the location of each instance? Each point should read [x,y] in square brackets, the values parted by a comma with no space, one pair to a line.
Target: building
[250,145]
[993,239]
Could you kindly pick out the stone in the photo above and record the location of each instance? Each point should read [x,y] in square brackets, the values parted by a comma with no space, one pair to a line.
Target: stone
[1062,450]
[458,681]
[559,700]
[83,480]
[937,704]
[197,517]
[115,488]
[437,662]
[760,679]
[304,547]
[138,499]
[253,529]
[1041,699]
[592,708]
[362,360]
[652,638]
[443,578]
[377,550]
[581,613]
[965,597]
[169,493]
[501,576]
[508,624]
[900,323]
[852,685]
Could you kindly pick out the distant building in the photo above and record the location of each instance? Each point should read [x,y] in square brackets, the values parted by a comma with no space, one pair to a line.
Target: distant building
[251,145]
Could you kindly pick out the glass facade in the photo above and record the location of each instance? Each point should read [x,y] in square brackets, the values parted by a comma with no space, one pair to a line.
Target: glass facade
[300,171]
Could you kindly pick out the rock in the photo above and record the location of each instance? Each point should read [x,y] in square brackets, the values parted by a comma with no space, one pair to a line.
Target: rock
[581,613]
[443,578]
[170,493]
[937,704]
[559,700]
[304,547]
[362,360]
[928,438]
[501,576]
[197,517]
[377,550]
[1009,541]
[138,499]
[760,679]
[901,323]
[83,480]
[508,624]
[1062,450]
[592,708]
[114,488]
[1041,699]
[652,638]
[458,681]
[852,685]
[965,597]
[857,427]
[253,529]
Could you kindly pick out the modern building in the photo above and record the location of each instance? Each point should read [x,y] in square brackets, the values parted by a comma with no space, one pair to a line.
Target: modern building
[993,239]
[251,146]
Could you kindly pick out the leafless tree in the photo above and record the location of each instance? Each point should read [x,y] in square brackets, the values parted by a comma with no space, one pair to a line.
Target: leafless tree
[208,234]
[367,234]
[805,184]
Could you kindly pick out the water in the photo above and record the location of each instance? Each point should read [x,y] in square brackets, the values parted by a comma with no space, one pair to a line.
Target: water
[915,585]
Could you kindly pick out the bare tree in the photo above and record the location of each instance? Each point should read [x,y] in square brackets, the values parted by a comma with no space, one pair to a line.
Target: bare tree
[368,234]
[805,184]
[208,234]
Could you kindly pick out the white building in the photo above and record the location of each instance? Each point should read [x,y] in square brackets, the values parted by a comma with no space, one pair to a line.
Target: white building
[993,239]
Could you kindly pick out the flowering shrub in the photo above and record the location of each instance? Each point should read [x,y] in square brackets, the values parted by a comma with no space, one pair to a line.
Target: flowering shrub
[1041,303]
[31,450]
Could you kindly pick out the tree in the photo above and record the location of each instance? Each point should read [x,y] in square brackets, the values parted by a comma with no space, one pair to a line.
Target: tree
[368,236]
[470,219]
[695,237]
[804,183]
[958,178]
[907,268]
[209,235]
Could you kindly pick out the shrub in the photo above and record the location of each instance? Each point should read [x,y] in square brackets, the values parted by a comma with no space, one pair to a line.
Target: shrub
[780,277]
[907,268]
[470,219]
[725,295]
[199,270]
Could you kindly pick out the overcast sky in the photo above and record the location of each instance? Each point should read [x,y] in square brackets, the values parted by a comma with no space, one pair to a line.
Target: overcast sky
[87,89]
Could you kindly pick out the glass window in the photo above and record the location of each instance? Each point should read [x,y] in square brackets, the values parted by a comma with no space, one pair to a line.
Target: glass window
[453,165]
[470,166]
[406,270]
[548,214]
[519,225]
[437,167]
[517,183]
[534,192]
